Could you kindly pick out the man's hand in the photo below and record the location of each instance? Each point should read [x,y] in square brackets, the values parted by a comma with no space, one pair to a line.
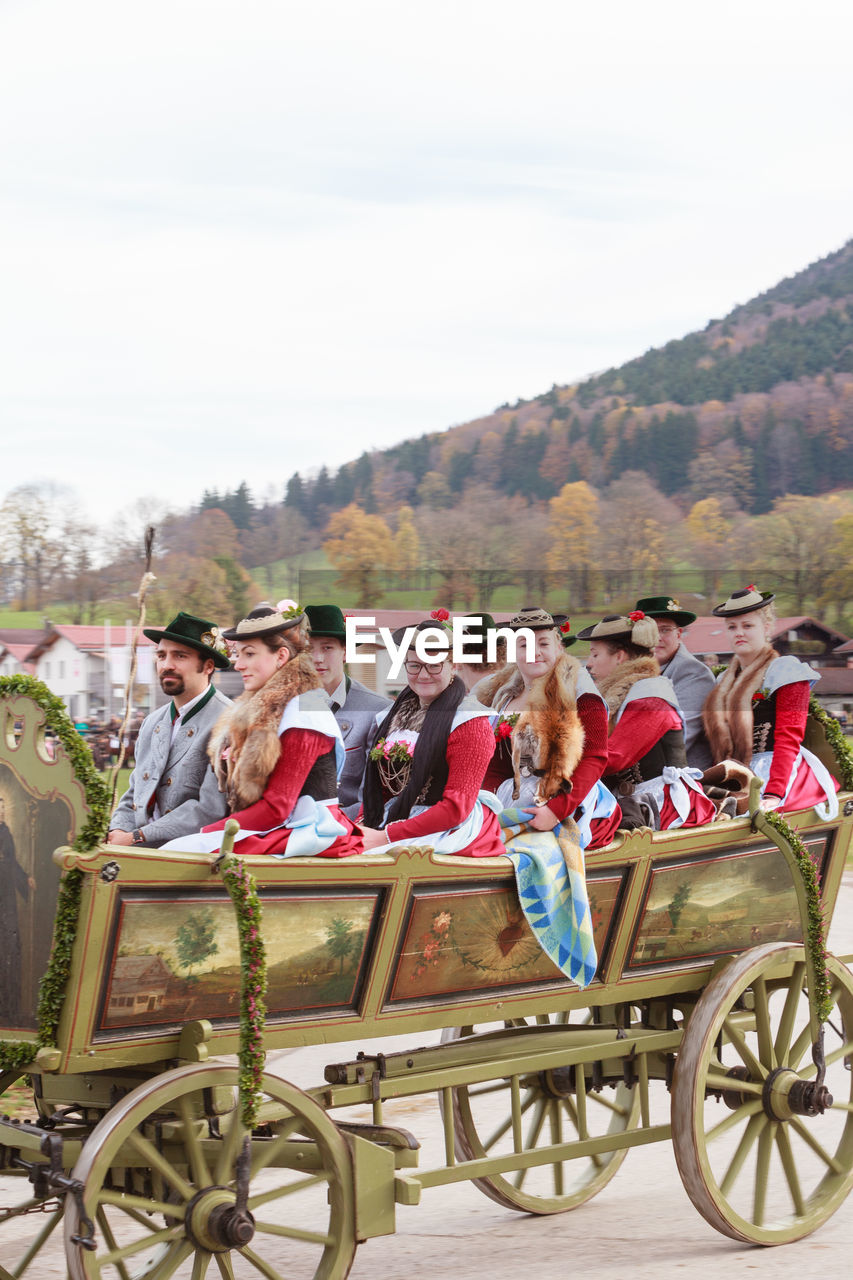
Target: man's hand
[768,803]
[119,837]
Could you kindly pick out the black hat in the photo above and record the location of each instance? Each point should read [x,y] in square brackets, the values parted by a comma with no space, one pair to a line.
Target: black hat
[665,607]
[427,624]
[747,600]
[195,633]
[263,620]
[326,620]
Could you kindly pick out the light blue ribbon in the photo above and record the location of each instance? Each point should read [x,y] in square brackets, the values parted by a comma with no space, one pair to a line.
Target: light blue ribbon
[313,828]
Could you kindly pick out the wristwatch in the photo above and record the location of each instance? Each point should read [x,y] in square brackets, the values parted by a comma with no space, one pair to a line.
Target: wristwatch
[137,837]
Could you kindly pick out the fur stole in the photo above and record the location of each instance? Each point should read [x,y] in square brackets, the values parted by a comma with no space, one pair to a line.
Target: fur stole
[614,688]
[244,746]
[727,713]
[548,735]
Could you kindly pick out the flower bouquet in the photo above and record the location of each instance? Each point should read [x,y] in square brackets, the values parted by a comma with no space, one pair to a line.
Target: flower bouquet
[393,755]
[504,726]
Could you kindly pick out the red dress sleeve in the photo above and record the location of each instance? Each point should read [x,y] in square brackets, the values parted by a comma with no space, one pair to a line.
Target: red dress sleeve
[792,709]
[642,724]
[469,750]
[299,749]
[593,762]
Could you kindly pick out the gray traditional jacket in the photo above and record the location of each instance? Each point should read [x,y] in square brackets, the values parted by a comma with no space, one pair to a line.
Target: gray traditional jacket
[693,682]
[177,778]
[357,723]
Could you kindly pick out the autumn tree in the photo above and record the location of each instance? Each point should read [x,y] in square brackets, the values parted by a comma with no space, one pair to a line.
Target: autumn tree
[795,545]
[574,535]
[359,546]
[709,528]
[406,558]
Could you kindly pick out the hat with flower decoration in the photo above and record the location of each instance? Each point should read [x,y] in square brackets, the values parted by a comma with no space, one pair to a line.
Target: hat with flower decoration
[636,629]
[263,620]
[665,607]
[563,624]
[747,600]
[533,618]
[196,633]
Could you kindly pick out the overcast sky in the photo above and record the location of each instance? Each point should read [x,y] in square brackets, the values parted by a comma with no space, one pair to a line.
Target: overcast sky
[240,239]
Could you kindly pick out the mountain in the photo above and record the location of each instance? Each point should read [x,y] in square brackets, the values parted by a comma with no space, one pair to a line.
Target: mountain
[756,405]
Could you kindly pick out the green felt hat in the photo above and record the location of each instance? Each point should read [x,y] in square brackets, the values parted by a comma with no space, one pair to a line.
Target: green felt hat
[326,620]
[477,628]
[665,607]
[195,633]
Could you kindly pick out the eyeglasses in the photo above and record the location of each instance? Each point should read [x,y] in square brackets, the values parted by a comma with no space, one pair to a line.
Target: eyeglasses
[415,668]
[666,631]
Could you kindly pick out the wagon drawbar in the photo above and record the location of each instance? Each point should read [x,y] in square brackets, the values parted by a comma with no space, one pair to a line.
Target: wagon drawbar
[139,1152]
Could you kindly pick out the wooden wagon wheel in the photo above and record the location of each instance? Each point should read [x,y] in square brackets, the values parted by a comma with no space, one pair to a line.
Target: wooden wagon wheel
[754,1161]
[159,1176]
[483,1126]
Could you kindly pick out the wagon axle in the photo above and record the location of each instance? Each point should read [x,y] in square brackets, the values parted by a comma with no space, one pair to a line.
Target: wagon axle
[785,1095]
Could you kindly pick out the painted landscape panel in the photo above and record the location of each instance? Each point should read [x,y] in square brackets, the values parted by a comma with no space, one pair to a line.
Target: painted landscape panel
[708,908]
[176,959]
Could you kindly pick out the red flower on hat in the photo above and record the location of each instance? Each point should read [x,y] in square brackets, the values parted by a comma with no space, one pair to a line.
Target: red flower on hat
[752,587]
[566,626]
[440,615]
[637,615]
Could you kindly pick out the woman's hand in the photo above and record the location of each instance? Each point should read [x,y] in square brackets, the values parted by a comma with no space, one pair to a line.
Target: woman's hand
[542,818]
[768,803]
[373,839]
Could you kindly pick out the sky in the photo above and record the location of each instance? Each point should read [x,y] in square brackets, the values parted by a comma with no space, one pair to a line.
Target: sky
[243,239]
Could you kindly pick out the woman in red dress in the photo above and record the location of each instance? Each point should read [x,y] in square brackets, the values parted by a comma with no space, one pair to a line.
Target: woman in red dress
[423,776]
[646,761]
[757,711]
[277,751]
[551,748]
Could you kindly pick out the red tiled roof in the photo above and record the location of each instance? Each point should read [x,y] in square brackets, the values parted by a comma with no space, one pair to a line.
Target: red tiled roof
[86,639]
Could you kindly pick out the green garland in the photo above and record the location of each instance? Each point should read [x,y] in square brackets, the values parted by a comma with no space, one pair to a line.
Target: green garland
[837,740]
[243,892]
[14,1054]
[815,938]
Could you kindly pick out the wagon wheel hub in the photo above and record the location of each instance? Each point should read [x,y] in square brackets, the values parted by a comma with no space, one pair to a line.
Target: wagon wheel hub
[214,1222]
[785,1095]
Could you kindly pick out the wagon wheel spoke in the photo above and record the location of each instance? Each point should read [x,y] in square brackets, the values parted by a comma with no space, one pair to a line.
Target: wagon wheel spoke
[754,1127]
[766,1047]
[506,1124]
[285,1189]
[166,1235]
[154,1159]
[747,1057]
[258,1263]
[762,1169]
[786,1155]
[715,1080]
[103,1223]
[198,1163]
[200,1265]
[782,1044]
[533,1135]
[264,1153]
[747,1111]
[811,1141]
[223,1261]
[843,1051]
[231,1144]
[294,1233]
[555,1123]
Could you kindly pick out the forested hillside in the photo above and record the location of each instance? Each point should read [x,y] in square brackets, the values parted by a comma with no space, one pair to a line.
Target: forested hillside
[723,458]
[757,405]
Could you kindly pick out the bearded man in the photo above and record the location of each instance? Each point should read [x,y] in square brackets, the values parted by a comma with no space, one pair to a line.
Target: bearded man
[172,790]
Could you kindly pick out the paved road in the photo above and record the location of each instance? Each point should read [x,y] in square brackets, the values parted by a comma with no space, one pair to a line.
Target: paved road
[641,1224]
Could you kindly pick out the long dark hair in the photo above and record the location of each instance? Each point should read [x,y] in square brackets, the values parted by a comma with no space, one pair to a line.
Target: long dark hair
[428,761]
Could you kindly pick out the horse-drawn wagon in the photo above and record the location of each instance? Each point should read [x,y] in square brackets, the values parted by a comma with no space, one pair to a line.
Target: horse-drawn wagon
[148,1147]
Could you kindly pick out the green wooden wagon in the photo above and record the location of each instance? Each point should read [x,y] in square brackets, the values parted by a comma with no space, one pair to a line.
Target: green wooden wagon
[138,1150]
